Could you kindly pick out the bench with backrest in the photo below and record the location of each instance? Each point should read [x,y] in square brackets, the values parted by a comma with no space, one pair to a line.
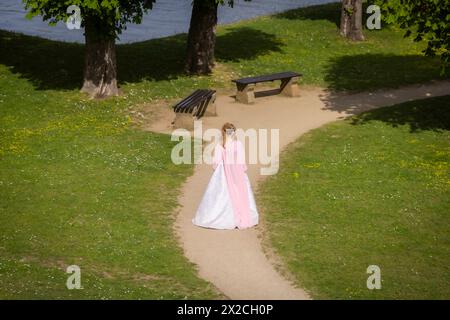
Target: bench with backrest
[200,103]
[246,86]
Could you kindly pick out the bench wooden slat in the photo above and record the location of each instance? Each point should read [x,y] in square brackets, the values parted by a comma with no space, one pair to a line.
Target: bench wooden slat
[191,99]
[204,104]
[195,103]
[202,108]
[186,105]
[267,77]
[196,94]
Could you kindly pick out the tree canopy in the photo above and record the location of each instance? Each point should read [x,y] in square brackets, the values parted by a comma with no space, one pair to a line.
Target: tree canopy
[111,15]
[425,20]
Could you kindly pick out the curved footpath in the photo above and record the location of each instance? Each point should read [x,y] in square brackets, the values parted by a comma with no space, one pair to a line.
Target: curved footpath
[234,260]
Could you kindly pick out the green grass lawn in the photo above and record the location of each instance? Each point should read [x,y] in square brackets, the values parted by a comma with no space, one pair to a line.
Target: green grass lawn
[370,190]
[79,184]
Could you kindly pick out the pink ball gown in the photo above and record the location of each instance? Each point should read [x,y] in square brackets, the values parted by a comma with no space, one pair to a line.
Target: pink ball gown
[228,201]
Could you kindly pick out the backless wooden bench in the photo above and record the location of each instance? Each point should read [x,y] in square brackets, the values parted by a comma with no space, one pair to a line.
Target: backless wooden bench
[200,103]
[246,86]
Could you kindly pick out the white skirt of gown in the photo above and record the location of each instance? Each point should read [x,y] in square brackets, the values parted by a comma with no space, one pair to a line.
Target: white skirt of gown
[215,210]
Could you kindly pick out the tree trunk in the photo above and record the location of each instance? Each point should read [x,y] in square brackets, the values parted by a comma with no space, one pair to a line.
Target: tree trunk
[100,68]
[202,37]
[351,20]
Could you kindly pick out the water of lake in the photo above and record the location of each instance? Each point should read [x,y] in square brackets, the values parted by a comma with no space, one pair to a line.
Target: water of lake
[168,17]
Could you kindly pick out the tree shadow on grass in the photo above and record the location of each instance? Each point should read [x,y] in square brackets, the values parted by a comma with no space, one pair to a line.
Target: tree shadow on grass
[330,12]
[377,71]
[245,43]
[47,64]
[59,65]
[363,82]
[156,59]
[427,114]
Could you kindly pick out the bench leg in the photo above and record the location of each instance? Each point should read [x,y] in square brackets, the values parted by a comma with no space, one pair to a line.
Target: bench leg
[290,88]
[211,109]
[184,120]
[246,94]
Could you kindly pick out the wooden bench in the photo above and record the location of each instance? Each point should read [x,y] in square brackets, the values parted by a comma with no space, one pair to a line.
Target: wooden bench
[246,86]
[200,103]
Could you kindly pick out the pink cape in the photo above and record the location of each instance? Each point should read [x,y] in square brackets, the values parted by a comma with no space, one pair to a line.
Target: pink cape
[233,157]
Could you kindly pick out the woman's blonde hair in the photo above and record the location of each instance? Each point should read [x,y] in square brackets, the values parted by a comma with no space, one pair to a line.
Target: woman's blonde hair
[225,127]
